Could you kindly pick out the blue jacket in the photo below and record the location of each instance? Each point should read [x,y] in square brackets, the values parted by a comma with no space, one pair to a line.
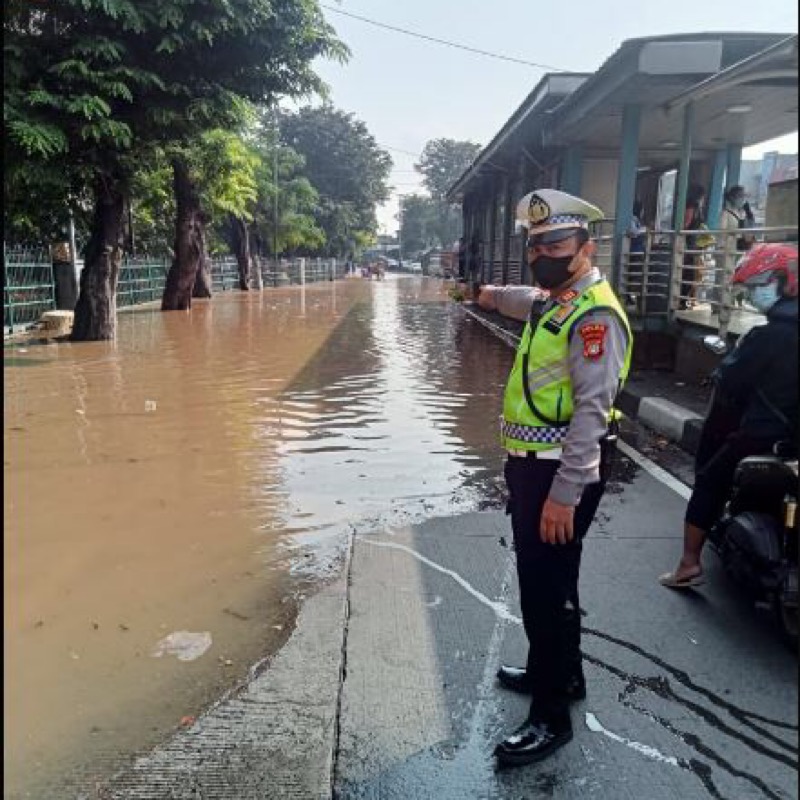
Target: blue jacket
[759,376]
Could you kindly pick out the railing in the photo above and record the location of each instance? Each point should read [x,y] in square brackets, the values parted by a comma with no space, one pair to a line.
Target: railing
[676,278]
[604,254]
[141,280]
[28,286]
[224,273]
[299,271]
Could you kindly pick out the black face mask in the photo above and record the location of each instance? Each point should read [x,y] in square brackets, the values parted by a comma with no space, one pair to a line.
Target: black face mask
[551,272]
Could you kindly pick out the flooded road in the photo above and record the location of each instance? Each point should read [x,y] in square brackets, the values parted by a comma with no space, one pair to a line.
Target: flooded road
[178,492]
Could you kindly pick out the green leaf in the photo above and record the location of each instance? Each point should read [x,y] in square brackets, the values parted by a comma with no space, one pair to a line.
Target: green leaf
[38,139]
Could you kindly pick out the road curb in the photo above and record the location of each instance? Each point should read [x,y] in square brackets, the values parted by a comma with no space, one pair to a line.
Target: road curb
[671,420]
[274,737]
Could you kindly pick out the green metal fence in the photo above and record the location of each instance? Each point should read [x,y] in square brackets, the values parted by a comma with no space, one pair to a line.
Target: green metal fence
[141,280]
[224,273]
[29,282]
[28,286]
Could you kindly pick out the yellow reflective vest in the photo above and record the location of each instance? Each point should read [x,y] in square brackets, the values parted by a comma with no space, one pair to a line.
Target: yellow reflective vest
[538,402]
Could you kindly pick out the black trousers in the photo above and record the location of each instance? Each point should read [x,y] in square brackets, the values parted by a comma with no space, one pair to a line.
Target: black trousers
[548,579]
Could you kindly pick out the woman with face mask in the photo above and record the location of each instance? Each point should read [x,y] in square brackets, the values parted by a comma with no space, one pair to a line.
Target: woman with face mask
[755,399]
[737,215]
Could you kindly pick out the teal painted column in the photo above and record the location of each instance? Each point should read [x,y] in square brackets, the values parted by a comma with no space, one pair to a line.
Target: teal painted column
[715,195]
[682,182]
[572,170]
[734,165]
[626,183]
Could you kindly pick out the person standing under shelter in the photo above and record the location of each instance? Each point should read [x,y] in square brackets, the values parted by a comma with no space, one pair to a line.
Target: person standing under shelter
[736,215]
[637,236]
[693,220]
[558,428]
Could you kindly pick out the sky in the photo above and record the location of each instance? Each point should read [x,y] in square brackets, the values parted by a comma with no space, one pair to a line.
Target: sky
[409,91]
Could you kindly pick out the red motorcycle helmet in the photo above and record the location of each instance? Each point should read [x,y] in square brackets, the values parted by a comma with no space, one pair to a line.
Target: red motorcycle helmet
[764,262]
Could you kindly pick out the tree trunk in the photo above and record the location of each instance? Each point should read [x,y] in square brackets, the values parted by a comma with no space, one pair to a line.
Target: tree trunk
[190,245]
[240,240]
[203,281]
[96,309]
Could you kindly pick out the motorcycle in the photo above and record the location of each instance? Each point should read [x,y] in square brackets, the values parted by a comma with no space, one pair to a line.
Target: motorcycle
[757,536]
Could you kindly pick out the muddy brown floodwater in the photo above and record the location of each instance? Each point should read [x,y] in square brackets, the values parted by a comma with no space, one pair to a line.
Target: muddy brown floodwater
[195,479]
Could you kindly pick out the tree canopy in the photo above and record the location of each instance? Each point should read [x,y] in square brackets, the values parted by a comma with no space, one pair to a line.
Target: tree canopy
[443,161]
[93,86]
[347,168]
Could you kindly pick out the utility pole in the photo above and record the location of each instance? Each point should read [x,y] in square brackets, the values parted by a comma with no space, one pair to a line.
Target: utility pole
[400,233]
[275,181]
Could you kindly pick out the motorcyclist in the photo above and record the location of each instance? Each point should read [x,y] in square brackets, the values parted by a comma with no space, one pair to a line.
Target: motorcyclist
[754,404]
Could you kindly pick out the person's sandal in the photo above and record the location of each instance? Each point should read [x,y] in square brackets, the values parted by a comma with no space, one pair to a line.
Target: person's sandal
[672,581]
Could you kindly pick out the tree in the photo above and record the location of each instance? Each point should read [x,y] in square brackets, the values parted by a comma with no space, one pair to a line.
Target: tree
[419,216]
[93,86]
[433,222]
[284,218]
[426,223]
[443,162]
[346,166]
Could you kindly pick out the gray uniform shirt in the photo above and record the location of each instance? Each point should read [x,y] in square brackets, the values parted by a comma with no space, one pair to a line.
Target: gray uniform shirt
[595,381]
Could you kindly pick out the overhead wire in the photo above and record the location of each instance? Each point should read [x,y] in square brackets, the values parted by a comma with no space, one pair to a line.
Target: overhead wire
[445,42]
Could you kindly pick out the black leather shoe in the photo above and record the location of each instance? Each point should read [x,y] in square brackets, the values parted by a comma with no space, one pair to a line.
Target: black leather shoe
[533,741]
[516,679]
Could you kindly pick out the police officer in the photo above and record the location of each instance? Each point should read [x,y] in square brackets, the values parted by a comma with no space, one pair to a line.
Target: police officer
[558,427]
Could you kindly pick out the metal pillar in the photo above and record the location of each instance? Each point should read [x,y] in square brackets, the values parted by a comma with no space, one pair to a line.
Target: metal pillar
[572,169]
[734,165]
[715,196]
[492,232]
[508,216]
[682,182]
[626,184]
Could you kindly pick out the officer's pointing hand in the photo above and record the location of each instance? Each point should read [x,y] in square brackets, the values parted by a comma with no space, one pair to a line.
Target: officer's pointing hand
[555,526]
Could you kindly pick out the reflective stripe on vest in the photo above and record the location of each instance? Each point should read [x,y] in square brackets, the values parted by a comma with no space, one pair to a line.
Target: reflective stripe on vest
[537,408]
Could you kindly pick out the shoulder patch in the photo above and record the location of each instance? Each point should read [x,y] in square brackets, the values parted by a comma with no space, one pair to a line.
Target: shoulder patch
[593,335]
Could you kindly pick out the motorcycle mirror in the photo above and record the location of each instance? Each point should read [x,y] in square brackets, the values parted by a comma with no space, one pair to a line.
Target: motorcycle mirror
[716,344]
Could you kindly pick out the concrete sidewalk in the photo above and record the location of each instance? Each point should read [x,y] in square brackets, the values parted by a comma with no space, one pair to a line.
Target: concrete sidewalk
[671,407]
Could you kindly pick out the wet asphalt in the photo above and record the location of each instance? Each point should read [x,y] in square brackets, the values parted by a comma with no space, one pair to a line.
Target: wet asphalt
[689,695]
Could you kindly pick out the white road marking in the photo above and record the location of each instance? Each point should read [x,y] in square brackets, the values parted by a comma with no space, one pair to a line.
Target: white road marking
[502,612]
[593,724]
[657,472]
[500,609]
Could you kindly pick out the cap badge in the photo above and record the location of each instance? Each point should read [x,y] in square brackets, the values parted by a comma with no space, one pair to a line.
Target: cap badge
[538,210]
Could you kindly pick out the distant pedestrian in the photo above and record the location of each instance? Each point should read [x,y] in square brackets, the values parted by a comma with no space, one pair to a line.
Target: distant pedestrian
[693,220]
[737,215]
[462,259]
[558,428]
[637,230]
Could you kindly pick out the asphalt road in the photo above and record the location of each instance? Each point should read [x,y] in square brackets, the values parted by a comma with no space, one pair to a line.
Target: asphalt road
[689,695]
